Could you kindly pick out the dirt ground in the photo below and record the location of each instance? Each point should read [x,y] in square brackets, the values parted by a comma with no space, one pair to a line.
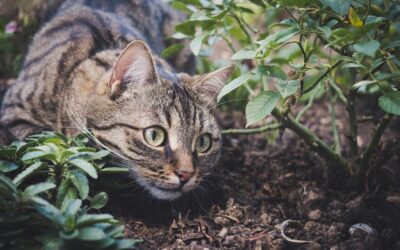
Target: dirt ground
[280,196]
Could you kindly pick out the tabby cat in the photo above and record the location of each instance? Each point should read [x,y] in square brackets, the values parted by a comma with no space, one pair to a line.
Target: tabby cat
[94,68]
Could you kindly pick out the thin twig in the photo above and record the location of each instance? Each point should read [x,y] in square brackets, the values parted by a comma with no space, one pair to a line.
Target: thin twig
[308,106]
[373,144]
[248,131]
[323,76]
[338,91]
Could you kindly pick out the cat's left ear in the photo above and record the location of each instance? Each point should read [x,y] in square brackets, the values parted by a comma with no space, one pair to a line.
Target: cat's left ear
[135,66]
[210,85]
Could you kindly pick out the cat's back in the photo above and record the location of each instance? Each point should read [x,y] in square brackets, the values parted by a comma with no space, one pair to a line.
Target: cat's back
[78,31]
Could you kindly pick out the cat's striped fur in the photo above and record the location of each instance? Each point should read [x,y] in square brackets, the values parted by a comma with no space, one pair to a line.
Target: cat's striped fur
[78,77]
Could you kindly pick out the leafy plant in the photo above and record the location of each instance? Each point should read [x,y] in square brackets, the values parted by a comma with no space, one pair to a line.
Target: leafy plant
[303,51]
[45,199]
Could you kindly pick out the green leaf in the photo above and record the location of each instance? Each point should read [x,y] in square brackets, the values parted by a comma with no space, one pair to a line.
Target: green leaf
[261,106]
[244,54]
[47,210]
[69,235]
[279,37]
[7,184]
[393,44]
[234,84]
[35,189]
[363,83]
[8,152]
[287,88]
[32,169]
[52,243]
[273,71]
[62,191]
[87,167]
[90,219]
[6,166]
[70,195]
[195,45]
[339,6]
[81,183]
[187,28]
[171,50]
[73,207]
[99,200]
[34,155]
[91,234]
[368,48]
[390,102]
[259,3]
[126,244]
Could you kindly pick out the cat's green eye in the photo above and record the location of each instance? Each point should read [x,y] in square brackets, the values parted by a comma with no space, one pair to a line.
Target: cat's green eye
[154,136]
[203,143]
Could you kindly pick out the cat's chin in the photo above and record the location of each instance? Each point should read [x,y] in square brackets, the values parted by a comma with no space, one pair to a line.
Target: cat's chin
[164,194]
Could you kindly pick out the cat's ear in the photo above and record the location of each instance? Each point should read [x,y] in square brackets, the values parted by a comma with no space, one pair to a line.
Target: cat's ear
[208,86]
[134,66]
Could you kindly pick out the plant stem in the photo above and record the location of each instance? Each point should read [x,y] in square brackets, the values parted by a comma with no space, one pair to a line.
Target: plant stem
[308,106]
[338,91]
[311,140]
[322,76]
[351,104]
[242,27]
[248,131]
[333,121]
[376,137]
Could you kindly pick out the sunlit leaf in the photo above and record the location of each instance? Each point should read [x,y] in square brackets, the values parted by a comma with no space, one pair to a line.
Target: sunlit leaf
[81,183]
[35,189]
[244,54]
[196,43]
[87,167]
[363,83]
[287,88]
[32,169]
[234,84]
[91,233]
[354,18]
[261,106]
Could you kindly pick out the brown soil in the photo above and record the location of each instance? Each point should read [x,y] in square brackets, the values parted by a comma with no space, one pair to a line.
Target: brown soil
[258,187]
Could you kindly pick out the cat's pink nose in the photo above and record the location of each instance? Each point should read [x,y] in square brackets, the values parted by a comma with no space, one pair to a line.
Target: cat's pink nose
[184,176]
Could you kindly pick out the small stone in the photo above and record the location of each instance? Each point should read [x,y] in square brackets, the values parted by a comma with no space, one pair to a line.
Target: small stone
[258,245]
[353,203]
[395,199]
[314,214]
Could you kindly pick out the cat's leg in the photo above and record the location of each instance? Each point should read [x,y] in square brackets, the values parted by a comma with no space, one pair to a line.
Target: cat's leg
[19,129]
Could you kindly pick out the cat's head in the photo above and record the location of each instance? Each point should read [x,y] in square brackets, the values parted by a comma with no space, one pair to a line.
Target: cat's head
[159,124]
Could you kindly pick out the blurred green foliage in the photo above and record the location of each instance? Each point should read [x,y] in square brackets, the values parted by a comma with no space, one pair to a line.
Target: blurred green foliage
[45,199]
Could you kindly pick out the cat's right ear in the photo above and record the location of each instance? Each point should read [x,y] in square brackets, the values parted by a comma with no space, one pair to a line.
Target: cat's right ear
[134,66]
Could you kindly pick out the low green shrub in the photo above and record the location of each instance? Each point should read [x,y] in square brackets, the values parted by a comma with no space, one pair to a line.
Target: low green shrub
[292,51]
[45,196]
